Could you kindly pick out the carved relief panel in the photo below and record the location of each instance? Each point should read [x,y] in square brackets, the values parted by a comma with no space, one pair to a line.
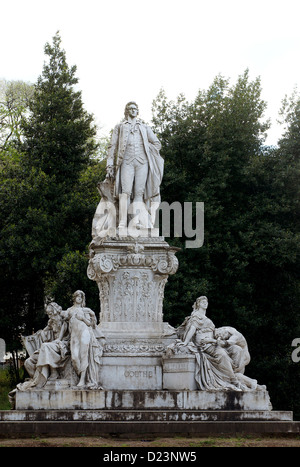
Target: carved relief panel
[131,282]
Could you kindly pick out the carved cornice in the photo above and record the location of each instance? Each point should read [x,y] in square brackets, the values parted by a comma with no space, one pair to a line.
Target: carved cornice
[164,263]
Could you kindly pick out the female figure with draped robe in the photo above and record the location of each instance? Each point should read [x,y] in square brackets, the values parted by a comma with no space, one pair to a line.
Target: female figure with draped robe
[86,350]
[214,367]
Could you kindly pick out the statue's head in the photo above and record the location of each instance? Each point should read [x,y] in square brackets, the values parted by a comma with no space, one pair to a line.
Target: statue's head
[53,309]
[222,333]
[78,297]
[201,301]
[129,106]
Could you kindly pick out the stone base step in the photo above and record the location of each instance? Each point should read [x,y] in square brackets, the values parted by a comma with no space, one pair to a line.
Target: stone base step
[143,415]
[24,429]
[75,399]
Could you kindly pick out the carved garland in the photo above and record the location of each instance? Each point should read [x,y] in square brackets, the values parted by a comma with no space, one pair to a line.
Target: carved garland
[134,349]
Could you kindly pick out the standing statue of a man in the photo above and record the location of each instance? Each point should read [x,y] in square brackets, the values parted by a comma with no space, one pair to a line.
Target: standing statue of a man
[134,162]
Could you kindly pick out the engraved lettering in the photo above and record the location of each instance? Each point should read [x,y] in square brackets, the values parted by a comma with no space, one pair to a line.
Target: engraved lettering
[138,374]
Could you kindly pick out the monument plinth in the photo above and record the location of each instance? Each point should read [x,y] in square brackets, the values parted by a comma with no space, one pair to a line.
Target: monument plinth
[131,274]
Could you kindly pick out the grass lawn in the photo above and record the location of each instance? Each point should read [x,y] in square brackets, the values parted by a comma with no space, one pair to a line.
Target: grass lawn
[156,443]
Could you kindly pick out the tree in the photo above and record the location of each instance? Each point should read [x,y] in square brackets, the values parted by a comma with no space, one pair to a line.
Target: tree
[207,144]
[59,134]
[248,266]
[290,117]
[14,102]
[44,213]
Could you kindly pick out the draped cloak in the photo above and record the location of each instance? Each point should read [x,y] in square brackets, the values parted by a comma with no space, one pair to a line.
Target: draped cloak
[214,368]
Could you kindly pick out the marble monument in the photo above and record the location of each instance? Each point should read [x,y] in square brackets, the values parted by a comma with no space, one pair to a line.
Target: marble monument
[132,354]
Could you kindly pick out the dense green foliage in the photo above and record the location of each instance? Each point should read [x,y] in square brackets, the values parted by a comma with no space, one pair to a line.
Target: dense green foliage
[5,388]
[214,153]
[59,134]
[48,197]
[248,265]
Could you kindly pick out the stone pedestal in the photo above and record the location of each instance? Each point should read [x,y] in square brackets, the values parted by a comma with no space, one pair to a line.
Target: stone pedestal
[131,372]
[75,399]
[131,274]
[137,370]
[179,373]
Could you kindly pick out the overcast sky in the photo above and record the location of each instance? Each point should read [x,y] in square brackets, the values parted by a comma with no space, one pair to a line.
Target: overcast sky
[129,49]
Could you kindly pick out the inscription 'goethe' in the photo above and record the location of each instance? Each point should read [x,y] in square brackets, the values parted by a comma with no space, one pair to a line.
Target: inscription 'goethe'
[138,374]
